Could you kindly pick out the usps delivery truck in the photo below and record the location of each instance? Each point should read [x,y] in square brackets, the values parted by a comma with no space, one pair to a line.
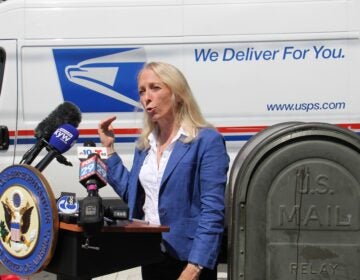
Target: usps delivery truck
[250,64]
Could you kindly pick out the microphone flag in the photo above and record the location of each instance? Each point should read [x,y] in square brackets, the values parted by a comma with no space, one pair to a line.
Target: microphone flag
[93,168]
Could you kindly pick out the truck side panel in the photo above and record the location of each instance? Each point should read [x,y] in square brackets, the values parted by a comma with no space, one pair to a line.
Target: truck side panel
[8,98]
[250,65]
[265,83]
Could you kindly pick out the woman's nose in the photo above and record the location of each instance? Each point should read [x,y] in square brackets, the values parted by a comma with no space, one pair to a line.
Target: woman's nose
[145,97]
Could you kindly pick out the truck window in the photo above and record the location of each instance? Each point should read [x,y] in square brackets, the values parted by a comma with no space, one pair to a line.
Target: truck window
[2,66]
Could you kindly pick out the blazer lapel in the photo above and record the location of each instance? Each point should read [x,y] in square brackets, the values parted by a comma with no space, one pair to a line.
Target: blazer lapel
[179,151]
[135,172]
[140,161]
[135,201]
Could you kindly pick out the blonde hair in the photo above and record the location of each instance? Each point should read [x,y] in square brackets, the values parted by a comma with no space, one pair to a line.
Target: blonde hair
[187,111]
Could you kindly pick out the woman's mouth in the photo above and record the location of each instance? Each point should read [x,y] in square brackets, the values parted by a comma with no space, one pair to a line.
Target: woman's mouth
[150,110]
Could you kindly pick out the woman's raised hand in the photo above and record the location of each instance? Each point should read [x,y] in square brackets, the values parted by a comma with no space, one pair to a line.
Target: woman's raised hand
[106,133]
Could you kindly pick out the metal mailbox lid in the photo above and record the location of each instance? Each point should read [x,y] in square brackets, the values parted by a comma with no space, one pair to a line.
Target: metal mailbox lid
[300,215]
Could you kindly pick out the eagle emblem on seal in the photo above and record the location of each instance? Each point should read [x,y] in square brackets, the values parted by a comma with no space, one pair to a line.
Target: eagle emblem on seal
[15,230]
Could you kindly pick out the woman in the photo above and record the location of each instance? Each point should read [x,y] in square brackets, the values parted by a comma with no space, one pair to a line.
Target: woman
[178,175]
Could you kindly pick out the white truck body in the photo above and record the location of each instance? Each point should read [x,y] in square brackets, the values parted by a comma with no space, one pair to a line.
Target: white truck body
[250,64]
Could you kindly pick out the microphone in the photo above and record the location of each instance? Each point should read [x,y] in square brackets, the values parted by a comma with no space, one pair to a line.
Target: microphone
[91,214]
[66,112]
[93,168]
[61,141]
[91,211]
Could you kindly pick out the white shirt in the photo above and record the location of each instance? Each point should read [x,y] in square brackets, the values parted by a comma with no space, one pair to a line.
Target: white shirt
[151,175]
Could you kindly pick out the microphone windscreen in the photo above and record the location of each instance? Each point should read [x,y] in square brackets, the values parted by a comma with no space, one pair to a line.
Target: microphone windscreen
[64,137]
[66,112]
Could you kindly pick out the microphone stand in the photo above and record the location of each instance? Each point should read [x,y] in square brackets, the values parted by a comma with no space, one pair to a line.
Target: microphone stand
[53,153]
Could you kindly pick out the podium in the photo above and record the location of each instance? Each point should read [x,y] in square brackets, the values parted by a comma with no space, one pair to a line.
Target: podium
[124,245]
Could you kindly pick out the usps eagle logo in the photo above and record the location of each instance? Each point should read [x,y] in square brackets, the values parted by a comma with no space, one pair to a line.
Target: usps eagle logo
[20,221]
[100,79]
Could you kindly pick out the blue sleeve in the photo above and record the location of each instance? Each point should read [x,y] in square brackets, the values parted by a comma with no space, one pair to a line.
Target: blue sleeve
[118,176]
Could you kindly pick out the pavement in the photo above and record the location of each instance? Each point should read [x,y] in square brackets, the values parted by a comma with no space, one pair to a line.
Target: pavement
[130,274]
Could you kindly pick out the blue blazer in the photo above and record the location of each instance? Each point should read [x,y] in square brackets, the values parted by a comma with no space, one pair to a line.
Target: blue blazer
[191,197]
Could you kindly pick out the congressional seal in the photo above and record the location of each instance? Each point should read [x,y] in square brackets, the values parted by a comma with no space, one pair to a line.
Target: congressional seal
[28,220]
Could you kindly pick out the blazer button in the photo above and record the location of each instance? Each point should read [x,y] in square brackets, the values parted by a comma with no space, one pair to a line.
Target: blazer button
[162,212]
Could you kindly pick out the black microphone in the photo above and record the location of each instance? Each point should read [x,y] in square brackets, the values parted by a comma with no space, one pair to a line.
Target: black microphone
[65,113]
[91,210]
[61,141]
[89,143]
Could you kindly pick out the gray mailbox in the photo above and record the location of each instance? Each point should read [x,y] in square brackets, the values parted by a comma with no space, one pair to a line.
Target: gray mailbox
[295,205]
